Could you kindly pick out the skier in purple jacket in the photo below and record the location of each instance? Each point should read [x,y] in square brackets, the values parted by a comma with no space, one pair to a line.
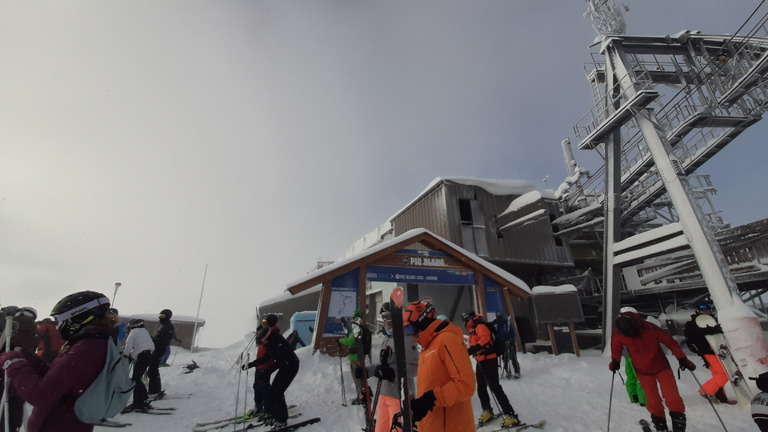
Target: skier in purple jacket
[52,390]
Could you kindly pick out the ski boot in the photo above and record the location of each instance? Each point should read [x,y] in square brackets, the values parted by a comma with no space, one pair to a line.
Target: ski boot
[660,423]
[510,420]
[722,397]
[255,414]
[485,417]
[678,421]
[136,407]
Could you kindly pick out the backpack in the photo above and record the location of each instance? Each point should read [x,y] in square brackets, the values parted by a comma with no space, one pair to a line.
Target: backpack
[108,394]
[496,342]
[367,341]
[366,337]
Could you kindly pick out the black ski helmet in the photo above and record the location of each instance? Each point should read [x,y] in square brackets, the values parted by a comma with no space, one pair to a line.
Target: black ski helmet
[627,325]
[166,314]
[75,311]
[271,320]
[468,316]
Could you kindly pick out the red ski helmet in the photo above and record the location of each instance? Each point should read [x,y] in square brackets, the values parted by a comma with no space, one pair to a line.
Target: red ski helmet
[417,312]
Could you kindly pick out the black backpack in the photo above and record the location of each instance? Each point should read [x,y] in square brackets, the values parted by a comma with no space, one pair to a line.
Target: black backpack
[366,337]
[496,342]
[367,341]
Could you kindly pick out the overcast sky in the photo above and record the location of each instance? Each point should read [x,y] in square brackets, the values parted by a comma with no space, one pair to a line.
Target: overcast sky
[141,140]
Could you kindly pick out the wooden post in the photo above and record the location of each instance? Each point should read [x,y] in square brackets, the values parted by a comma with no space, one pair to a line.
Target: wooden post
[551,329]
[325,299]
[508,301]
[361,291]
[574,341]
[480,294]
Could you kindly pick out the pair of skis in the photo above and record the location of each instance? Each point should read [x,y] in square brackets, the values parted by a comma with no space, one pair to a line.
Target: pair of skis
[234,420]
[518,427]
[523,426]
[287,428]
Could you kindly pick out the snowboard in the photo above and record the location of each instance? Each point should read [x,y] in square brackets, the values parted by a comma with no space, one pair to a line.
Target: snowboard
[398,335]
[720,347]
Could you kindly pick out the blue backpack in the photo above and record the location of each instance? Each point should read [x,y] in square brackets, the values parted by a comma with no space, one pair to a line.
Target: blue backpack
[109,393]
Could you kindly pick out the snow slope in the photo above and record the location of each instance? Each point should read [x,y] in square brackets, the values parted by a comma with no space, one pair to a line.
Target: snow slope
[571,392]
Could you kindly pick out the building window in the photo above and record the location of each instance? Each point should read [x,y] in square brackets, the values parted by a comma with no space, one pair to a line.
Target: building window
[465,211]
[472,226]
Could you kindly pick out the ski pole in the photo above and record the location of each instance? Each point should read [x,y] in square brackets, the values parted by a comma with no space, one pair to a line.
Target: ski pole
[482,371]
[341,374]
[173,360]
[710,402]
[6,382]
[624,383]
[376,398]
[610,401]
[237,395]
[247,373]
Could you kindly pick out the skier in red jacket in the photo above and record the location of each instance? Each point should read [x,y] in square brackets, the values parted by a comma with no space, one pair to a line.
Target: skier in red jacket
[643,341]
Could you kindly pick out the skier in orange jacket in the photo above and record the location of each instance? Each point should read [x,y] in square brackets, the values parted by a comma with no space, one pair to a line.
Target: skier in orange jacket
[445,381]
[481,346]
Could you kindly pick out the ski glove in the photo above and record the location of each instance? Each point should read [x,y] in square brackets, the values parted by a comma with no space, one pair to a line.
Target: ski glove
[686,364]
[421,406]
[9,358]
[384,372]
[614,366]
[474,349]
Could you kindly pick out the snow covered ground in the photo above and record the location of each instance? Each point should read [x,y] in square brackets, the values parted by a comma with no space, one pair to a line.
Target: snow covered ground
[571,393]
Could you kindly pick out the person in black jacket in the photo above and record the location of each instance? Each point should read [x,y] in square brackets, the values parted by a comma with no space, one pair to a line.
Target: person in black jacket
[162,340]
[696,339]
[286,364]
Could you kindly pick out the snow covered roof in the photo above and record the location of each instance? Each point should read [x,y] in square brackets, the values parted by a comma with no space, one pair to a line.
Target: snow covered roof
[287,295]
[174,319]
[522,201]
[545,289]
[413,236]
[492,186]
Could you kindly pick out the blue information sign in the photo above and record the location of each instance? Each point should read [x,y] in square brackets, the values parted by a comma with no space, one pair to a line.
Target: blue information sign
[420,275]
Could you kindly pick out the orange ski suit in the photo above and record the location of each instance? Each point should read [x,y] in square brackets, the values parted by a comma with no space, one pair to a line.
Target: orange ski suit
[445,368]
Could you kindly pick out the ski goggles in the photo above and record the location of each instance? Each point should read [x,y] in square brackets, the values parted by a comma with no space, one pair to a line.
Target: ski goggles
[27,312]
[703,308]
[409,330]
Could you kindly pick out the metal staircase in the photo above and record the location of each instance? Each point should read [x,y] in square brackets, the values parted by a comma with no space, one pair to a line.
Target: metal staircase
[705,91]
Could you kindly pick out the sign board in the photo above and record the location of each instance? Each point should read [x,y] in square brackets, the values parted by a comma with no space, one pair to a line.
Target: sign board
[562,307]
[342,304]
[420,275]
